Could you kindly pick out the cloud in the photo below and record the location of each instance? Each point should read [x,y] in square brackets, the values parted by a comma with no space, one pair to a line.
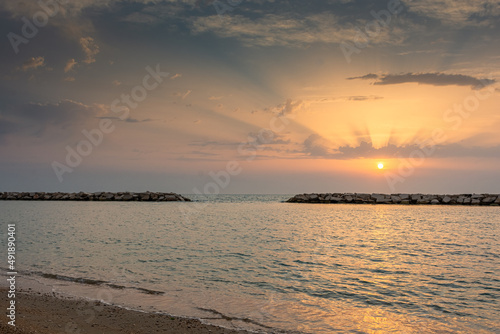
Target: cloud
[363,98]
[76,8]
[127,120]
[156,12]
[214,143]
[319,147]
[182,95]
[32,64]
[138,17]
[457,12]
[434,79]
[365,77]
[175,76]
[60,112]
[134,120]
[36,118]
[7,127]
[267,137]
[406,53]
[366,150]
[289,107]
[70,64]
[290,30]
[90,48]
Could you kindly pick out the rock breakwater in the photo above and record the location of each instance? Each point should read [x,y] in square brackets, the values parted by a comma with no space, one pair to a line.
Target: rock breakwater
[355,198]
[97,196]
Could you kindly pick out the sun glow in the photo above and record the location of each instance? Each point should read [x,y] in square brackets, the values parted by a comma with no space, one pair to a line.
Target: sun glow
[380,165]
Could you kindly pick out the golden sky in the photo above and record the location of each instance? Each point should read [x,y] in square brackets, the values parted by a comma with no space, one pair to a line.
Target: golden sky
[301,97]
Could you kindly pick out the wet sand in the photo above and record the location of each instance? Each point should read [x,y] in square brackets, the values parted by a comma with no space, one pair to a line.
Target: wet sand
[46,314]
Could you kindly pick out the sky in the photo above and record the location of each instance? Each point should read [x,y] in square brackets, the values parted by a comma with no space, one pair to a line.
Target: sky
[251,96]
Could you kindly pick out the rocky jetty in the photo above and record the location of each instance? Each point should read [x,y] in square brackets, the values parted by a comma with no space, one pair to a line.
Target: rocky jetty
[97,196]
[464,199]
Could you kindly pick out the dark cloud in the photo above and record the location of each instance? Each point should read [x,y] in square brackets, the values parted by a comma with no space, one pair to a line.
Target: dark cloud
[36,118]
[363,98]
[289,107]
[317,146]
[127,120]
[365,77]
[32,64]
[135,120]
[57,113]
[7,127]
[434,79]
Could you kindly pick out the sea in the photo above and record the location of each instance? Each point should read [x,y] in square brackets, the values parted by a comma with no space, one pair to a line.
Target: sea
[255,262]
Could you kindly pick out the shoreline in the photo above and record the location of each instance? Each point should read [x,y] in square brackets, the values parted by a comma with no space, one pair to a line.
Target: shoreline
[48,313]
[404,199]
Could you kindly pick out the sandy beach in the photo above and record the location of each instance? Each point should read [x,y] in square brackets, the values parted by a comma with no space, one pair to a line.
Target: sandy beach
[46,314]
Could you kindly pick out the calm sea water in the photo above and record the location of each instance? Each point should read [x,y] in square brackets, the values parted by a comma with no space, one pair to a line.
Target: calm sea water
[254,262]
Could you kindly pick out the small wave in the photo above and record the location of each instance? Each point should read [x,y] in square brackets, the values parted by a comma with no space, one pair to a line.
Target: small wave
[219,315]
[89,281]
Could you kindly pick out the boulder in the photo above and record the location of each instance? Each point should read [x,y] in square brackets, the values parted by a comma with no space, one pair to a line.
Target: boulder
[446,200]
[395,199]
[423,200]
[363,196]
[127,197]
[435,201]
[170,198]
[416,197]
[489,200]
[301,198]
[379,198]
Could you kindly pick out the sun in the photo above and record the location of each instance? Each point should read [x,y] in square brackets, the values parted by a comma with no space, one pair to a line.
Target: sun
[380,165]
